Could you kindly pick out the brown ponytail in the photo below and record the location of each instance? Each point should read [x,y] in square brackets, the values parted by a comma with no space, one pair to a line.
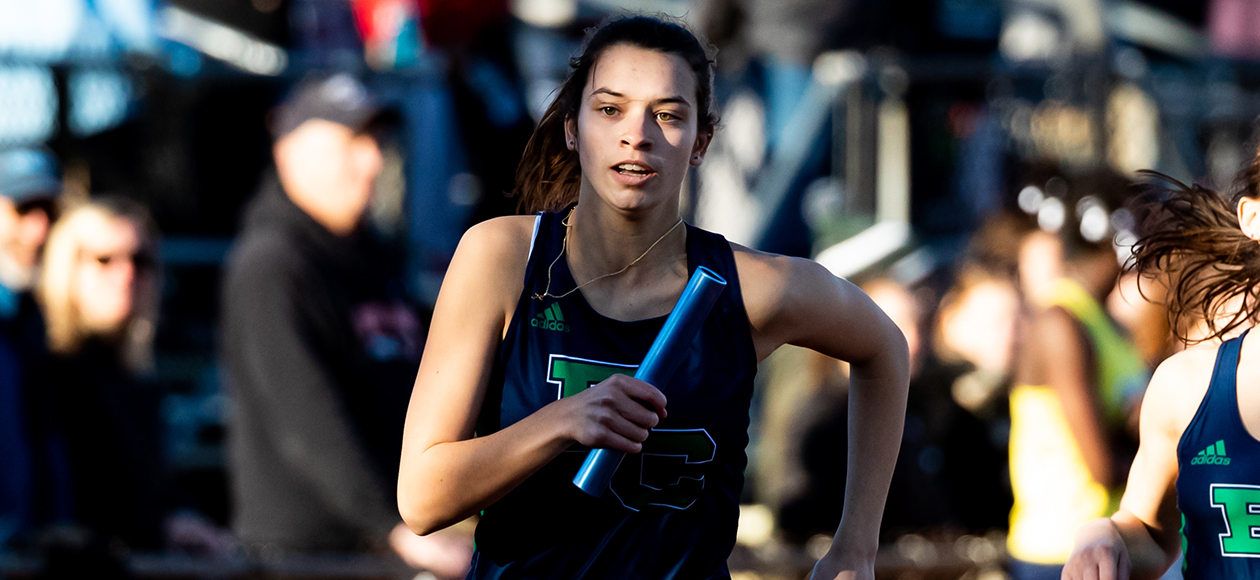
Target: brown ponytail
[1191,241]
[549,175]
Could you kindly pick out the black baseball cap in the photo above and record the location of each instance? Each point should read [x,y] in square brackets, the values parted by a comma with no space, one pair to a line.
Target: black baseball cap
[339,98]
[28,174]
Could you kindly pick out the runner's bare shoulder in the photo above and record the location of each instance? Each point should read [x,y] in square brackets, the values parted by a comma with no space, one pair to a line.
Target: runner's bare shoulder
[1178,387]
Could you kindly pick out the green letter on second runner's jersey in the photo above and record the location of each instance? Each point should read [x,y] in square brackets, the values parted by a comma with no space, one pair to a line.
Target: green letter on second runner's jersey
[1241,506]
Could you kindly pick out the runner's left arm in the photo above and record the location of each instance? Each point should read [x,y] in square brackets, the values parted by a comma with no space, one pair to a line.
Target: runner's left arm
[798,302]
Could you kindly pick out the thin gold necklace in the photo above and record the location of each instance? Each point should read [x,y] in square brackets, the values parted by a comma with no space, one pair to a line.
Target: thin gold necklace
[564,246]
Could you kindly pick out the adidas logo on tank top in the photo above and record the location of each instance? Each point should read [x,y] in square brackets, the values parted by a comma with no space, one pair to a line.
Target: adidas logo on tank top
[550,319]
[1213,455]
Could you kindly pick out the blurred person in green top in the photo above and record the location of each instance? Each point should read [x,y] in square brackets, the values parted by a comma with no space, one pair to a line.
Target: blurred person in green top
[1079,379]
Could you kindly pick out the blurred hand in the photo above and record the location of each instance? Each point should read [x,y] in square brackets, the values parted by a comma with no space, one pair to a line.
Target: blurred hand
[833,566]
[617,413]
[190,533]
[446,553]
[1099,554]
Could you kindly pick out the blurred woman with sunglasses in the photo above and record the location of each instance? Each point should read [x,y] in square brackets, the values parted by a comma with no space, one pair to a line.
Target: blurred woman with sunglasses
[99,292]
[99,287]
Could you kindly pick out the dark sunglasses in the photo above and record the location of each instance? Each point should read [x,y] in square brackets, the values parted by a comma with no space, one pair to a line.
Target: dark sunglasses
[141,260]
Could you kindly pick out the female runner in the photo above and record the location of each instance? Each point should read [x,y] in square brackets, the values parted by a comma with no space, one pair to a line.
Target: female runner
[541,321]
[1201,413]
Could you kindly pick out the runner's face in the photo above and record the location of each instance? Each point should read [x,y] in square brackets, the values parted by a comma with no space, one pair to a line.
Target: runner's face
[636,131]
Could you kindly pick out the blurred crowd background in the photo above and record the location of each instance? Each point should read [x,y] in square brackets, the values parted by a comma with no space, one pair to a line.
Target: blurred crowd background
[958,159]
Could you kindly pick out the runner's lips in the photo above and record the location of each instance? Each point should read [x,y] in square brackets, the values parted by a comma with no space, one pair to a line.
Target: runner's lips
[632,173]
[634,167]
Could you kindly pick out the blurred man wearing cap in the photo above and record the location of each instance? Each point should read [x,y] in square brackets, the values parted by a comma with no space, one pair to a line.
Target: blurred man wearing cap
[311,340]
[28,189]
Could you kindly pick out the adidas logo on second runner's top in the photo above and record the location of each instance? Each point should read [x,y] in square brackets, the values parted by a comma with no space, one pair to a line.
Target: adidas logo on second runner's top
[1213,455]
[550,319]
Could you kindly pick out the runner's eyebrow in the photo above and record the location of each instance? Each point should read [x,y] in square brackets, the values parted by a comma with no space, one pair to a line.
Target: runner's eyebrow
[609,92]
[672,100]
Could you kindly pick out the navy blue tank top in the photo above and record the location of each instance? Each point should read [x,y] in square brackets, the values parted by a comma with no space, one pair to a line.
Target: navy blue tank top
[671,511]
[1218,484]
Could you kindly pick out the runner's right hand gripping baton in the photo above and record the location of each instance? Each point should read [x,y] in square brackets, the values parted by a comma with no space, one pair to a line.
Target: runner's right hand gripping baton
[667,352]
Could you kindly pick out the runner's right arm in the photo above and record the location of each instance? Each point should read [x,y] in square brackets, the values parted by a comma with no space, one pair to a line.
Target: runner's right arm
[446,475]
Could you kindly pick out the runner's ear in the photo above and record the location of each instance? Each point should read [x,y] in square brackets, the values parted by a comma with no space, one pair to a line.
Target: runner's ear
[1249,217]
[703,139]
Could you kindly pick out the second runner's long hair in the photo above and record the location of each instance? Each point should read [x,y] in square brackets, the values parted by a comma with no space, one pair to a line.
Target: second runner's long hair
[1191,241]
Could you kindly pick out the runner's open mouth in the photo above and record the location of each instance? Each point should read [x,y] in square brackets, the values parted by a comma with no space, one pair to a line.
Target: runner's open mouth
[636,169]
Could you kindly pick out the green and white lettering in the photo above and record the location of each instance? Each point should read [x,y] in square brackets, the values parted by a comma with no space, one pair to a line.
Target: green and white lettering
[573,375]
[669,472]
[1240,504]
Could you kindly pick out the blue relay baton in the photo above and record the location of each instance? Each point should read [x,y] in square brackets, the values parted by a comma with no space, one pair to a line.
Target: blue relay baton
[667,352]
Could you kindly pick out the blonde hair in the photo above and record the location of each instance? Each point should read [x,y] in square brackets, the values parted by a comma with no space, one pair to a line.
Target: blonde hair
[56,290]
